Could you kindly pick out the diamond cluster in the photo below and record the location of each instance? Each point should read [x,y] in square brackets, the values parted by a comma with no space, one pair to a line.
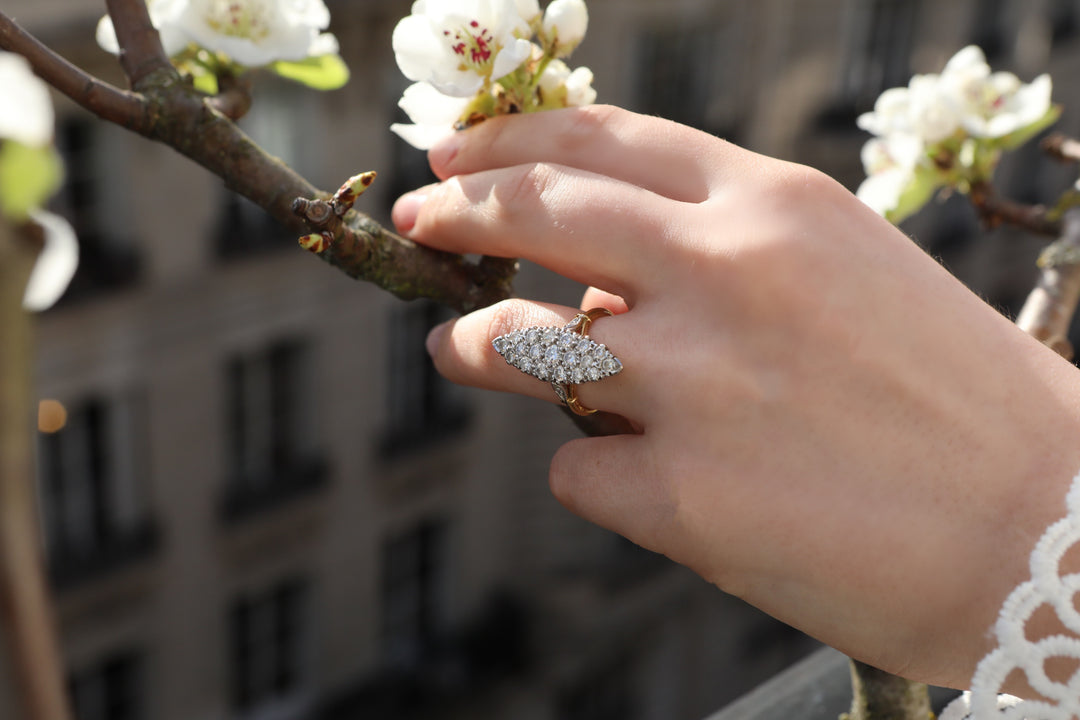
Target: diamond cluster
[558,355]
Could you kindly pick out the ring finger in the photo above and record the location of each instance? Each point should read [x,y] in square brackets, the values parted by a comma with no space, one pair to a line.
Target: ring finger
[462,351]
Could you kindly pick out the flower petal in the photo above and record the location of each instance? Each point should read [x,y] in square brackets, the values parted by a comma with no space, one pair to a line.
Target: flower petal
[26,112]
[510,57]
[422,137]
[55,265]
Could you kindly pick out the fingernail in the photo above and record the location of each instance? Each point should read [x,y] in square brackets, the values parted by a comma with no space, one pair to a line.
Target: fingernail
[406,209]
[445,150]
[434,338]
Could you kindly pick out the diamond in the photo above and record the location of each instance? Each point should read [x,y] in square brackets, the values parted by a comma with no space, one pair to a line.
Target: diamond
[556,354]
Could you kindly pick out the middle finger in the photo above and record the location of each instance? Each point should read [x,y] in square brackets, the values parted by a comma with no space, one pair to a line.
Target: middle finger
[596,230]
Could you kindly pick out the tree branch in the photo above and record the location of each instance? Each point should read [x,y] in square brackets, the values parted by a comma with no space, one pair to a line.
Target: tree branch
[141,53]
[104,100]
[1048,311]
[171,111]
[878,695]
[1061,147]
[994,210]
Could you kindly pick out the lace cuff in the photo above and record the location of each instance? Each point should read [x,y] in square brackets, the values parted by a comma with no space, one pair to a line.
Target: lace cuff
[1047,587]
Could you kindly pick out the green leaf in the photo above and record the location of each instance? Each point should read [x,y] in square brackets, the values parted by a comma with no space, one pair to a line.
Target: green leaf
[1018,137]
[326,72]
[918,192]
[28,176]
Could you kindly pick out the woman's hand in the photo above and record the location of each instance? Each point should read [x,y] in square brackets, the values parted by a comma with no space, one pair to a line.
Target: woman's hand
[831,426]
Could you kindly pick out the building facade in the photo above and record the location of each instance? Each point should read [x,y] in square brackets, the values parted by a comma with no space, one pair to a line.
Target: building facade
[265,504]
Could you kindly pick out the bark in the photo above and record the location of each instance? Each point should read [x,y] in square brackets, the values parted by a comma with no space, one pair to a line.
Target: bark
[881,696]
[166,108]
[1048,311]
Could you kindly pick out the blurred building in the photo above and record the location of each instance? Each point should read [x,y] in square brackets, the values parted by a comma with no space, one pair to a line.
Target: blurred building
[265,504]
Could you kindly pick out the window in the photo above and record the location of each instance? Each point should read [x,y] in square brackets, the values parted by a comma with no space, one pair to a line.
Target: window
[422,406]
[271,454]
[413,593]
[268,635]
[691,75]
[94,199]
[879,49]
[93,513]
[110,690]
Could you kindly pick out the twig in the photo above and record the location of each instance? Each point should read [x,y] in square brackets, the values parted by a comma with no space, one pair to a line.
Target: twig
[24,595]
[141,53]
[99,97]
[1061,147]
[1048,311]
[995,210]
[172,112]
[234,96]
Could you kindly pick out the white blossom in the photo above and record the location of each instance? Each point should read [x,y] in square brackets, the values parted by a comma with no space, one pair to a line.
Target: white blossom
[460,45]
[890,168]
[433,114]
[565,23]
[925,109]
[965,96]
[26,112]
[558,79]
[528,10]
[250,32]
[27,118]
[55,264]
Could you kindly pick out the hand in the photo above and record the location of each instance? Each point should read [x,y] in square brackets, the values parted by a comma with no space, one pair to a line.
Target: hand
[831,426]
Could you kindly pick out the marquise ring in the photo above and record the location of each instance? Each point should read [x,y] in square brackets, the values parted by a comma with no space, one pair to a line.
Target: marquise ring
[564,356]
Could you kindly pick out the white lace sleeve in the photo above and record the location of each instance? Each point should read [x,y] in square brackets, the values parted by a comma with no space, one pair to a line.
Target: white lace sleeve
[1047,587]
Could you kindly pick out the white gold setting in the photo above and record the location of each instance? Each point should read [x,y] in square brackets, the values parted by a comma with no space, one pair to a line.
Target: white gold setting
[557,355]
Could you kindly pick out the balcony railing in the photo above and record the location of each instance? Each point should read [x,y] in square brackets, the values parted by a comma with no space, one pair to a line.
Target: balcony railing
[73,566]
[244,498]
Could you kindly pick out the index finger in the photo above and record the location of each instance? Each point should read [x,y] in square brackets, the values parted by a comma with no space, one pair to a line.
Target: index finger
[664,157]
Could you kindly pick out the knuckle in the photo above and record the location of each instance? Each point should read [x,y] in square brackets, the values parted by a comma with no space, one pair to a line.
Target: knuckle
[506,316]
[799,183]
[528,188]
[589,121]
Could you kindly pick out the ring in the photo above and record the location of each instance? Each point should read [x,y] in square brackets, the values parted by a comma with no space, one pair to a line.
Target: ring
[564,356]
